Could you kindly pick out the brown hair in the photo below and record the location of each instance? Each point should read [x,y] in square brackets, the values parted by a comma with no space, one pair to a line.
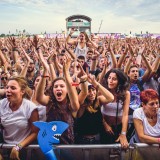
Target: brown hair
[23,85]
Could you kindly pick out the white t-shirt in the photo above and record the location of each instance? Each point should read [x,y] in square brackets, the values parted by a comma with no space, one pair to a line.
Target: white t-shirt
[149,130]
[15,123]
[42,112]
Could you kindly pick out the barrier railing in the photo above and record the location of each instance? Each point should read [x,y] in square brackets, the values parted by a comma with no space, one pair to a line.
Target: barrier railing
[95,152]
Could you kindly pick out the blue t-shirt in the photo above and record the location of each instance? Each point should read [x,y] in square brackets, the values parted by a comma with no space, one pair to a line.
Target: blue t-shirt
[135,94]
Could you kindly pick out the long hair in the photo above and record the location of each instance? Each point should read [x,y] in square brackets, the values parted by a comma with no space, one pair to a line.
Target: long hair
[54,104]
[23,85]
[123,83]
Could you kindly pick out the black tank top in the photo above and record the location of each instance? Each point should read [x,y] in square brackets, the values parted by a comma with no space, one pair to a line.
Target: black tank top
[89,123]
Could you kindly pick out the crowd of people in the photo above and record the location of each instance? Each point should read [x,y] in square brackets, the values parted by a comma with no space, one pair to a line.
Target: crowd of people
[106,89]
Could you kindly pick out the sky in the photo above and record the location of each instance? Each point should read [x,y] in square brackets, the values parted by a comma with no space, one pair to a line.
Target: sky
[117,16]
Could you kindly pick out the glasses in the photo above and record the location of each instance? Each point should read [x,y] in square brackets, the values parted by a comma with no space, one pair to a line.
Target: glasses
[153,103]
[4,78]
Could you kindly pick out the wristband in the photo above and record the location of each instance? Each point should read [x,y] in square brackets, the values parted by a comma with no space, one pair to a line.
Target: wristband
[18,147]
[123,133]
[44,76]
[83,81]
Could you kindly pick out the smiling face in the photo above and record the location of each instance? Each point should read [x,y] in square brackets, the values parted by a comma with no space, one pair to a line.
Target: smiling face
[14,92]
[112,81]
[60,90]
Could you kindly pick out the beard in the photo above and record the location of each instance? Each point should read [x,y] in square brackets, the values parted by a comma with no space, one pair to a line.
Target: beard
[29,70]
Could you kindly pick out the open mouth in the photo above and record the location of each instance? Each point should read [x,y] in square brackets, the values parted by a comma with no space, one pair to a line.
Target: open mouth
[8,96]
[59,94]
[57,136]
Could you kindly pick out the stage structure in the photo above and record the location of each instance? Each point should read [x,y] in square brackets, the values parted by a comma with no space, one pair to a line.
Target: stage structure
[81,23]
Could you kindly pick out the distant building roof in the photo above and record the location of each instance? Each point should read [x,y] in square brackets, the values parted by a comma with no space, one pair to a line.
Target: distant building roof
[78,16]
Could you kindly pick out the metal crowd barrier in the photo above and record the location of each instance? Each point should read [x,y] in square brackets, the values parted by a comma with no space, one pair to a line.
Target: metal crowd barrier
[137,151]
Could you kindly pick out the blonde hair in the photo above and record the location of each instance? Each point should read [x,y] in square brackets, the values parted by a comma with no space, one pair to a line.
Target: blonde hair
[23,85]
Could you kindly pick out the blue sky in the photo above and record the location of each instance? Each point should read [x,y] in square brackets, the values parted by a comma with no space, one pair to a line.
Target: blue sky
[36,16]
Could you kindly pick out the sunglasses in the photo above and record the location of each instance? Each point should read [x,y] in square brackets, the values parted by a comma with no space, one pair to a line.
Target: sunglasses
[4,78]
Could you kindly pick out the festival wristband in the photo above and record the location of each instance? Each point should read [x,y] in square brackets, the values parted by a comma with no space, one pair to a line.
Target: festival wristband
[123,133]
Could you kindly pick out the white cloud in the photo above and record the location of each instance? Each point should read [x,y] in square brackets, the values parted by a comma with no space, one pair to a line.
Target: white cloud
[49,15]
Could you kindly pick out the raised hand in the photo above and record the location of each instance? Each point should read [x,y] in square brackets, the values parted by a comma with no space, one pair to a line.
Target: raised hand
[35,42]
[12,42]
[72,31]
[82,74]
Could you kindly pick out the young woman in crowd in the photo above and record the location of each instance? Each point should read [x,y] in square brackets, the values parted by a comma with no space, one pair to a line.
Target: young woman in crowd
[17,115]
[82,43]
[115,114]
[89,118]
[147,118]
[62,101]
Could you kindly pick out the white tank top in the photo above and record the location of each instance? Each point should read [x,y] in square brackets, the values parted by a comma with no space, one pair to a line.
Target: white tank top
[81,51]
[110,109]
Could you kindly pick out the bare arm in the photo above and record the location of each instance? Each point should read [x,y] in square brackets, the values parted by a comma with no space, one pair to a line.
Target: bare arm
[69,40]
[122,137]
[140,131]
[106,96]
[84,85]
[148,71]
[72,93]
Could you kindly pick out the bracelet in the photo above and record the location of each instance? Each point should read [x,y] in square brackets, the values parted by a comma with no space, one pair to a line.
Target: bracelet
[83,81]
[123,133]
[158,139]
[44,76]
[15,49]
[18,147]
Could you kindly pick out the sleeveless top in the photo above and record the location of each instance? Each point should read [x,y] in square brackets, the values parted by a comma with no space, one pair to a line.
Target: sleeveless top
[110,109]
[89,123]
[62,113]
[81,51]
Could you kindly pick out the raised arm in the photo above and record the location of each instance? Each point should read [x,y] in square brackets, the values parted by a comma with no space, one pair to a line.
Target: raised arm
[40,96]
[72,93]
[83,85]
[106,96]
[24,69]
[51,67]
[148,70]
[156,63]
[69,40]
[122,57]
